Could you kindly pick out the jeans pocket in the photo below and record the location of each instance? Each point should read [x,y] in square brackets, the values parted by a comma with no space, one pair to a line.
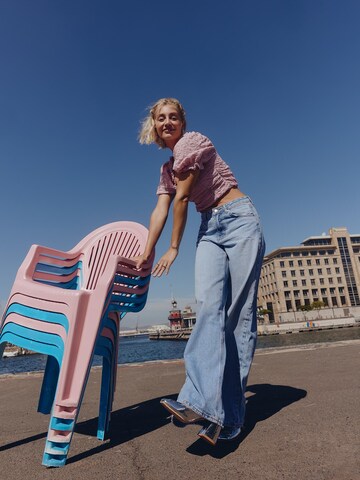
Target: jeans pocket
[241,210]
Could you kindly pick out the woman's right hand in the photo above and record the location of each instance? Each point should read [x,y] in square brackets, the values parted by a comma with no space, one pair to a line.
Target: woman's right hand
[139,260]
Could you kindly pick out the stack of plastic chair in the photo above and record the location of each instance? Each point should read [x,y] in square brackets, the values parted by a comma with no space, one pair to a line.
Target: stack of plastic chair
[68,305]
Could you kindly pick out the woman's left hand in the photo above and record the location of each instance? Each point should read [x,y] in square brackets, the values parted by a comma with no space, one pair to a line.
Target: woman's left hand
[165,262]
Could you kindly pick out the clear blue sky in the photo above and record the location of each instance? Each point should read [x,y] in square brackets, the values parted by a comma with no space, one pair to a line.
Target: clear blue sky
[273,83]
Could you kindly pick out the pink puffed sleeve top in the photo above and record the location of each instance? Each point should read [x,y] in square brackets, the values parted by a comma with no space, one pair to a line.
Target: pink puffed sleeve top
[193,151]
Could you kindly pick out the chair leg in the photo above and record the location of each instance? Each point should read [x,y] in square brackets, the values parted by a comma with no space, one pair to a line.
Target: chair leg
[64,414]
[58,441]
[48,389]
[105,398]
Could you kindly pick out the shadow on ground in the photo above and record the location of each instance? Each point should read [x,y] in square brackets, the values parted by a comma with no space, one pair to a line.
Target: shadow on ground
[136,420]
[264,401]
[126,423]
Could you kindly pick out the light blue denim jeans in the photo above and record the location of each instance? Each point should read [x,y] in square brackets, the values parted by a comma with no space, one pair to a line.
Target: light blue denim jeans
[221,347]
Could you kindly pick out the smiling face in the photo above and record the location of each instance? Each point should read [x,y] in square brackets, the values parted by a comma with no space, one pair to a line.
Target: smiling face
[168,124]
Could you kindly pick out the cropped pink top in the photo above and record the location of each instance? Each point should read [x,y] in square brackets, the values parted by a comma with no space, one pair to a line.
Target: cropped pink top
[192,151]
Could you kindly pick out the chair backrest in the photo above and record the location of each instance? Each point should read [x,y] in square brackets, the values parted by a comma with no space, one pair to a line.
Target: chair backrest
[62,272]
[83,266]
[127,239]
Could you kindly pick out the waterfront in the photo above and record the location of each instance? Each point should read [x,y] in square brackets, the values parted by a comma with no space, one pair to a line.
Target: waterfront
[139,349]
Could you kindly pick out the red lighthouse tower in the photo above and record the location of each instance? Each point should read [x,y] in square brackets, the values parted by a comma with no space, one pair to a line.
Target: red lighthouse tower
[175,316]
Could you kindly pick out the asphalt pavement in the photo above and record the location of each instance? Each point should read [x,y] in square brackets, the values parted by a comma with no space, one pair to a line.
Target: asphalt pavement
[302,422]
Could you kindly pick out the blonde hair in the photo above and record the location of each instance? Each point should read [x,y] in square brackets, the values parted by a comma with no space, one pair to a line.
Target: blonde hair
[148,133]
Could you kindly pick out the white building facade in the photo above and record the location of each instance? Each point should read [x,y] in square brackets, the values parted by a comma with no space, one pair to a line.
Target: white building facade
[322,268]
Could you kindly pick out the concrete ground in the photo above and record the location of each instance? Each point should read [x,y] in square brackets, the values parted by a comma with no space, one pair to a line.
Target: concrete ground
[302,423]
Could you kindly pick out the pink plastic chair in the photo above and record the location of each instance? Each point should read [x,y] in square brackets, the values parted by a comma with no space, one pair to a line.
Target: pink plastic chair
[79,296]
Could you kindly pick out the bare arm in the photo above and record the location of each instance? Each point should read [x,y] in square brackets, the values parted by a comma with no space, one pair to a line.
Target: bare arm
[185,183]
[157,222]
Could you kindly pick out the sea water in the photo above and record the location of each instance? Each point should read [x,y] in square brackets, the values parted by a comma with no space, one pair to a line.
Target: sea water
[140,349]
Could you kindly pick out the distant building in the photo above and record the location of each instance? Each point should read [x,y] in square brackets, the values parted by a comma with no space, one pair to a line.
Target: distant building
[188,317]
[181,319]
[324,268]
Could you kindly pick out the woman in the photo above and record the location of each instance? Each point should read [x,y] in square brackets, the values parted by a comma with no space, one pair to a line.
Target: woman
[230,249]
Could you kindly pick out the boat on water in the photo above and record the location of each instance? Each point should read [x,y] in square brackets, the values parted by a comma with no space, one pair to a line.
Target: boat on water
[181,334]
[15,351]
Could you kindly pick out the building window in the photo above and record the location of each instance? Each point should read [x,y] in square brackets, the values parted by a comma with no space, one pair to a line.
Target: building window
[283,273]
[300,263]
[323,291]
[291,263]
[326,261]
[322,281]
[293,273]
[334,301]
[288,305]
[331,280]
[282,264]
[285,283]
[297,304]
[296,293]
[319,271]
[294,283]
[303,283]
[317,261]
[311,272]
[325,300]
[287,294]
[312,281]
[305,293]
[348,271]
[328,271]
[314,291]
[337,270]
[343,300]
[335,261]
[308,262]
[341,289]
[339,280]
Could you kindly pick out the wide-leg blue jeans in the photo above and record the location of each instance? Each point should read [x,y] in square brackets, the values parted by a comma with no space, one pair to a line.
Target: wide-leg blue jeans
[221,347]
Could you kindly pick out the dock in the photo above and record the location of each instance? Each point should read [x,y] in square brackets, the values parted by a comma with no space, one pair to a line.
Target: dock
[263,330]
[302,423]
[179,334]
